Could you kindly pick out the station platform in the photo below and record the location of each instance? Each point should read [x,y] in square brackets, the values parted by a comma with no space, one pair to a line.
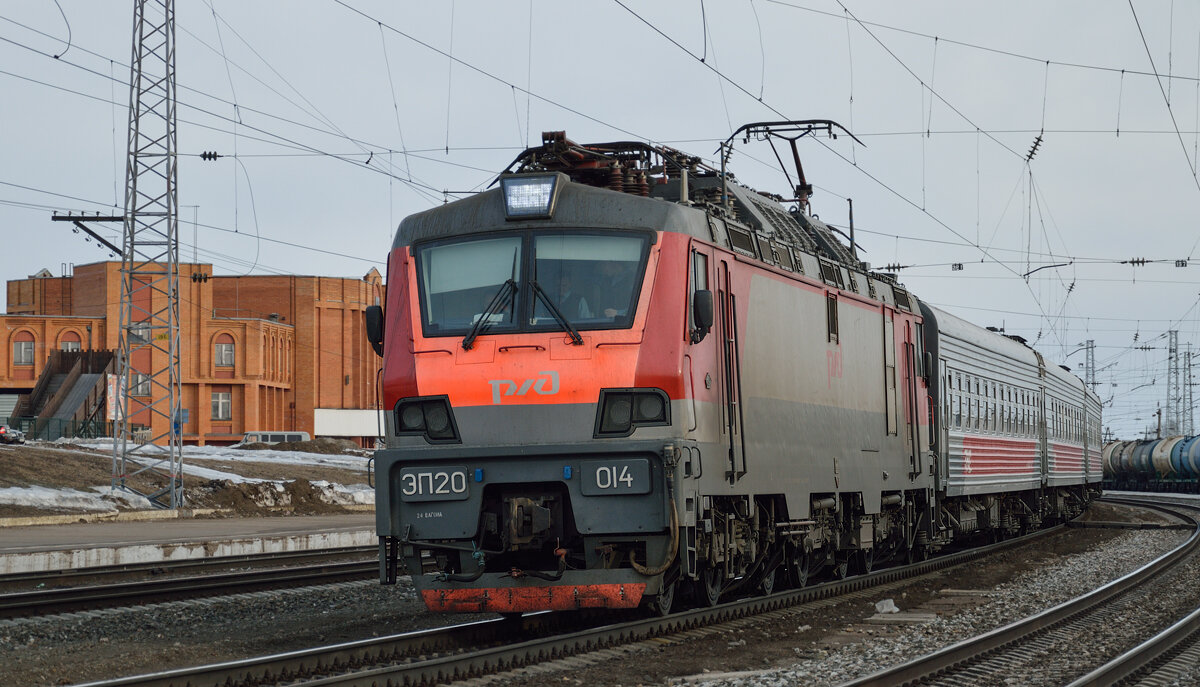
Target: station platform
[28,548]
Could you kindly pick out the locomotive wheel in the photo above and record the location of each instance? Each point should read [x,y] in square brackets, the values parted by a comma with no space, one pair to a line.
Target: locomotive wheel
[866,561]
[767,586]
[841,566]
[710,586]
[662,602]
[799,567]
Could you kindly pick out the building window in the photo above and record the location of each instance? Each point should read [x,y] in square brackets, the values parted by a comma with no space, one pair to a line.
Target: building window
[71,346]
[139,385]
[222,405]
[23,353]
[139,333]
[223,356]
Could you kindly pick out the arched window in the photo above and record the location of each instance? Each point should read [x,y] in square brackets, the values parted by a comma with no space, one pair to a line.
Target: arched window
[223,355]
[70,342]
[23,348]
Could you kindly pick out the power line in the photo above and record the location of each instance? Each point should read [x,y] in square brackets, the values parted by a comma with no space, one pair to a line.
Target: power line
[1170,111]
[412,184]
[945,102]
[83,217]
[984,48]
[488,74]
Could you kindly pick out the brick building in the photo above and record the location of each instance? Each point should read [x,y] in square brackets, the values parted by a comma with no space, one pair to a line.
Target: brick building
[256,352]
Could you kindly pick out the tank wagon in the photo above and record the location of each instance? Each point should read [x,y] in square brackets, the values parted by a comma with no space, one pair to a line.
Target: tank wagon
[621,374]
[1167,464]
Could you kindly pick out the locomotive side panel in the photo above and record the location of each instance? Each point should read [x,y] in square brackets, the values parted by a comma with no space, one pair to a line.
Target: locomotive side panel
[817,418]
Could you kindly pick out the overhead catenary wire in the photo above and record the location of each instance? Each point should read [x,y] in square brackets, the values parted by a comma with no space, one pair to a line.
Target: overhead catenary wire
[395,103]
[489,75]
[933,92]
[874,178]
[1170,111]
[413,184]
[976,46]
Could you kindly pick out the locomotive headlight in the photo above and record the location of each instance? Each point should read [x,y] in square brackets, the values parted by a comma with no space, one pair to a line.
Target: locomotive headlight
[430,416]
[529,197]
[412,418]
[437,418]
[618,411]
[649,408]
[623,410]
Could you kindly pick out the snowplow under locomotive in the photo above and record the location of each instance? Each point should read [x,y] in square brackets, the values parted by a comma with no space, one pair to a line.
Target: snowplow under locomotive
[621,374]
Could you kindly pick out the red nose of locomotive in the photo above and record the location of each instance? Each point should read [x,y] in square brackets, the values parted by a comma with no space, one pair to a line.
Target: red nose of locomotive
[532,386]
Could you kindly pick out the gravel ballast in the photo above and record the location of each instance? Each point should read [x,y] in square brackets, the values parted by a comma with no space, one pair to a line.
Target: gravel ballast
[1032,593]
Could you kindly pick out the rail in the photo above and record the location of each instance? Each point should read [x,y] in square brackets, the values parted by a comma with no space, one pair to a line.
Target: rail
[46,601]
[443,654]
[961,655]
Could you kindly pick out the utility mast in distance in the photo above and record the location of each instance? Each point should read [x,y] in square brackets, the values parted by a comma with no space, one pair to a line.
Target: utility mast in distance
[1175,389]
[147,458]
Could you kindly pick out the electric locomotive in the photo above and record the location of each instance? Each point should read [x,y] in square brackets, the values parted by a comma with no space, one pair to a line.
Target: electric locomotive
[620,376]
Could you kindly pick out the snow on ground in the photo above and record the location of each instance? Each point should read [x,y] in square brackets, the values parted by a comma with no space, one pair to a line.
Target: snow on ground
[106,500]
[226,453]
[102,499]
[346,495]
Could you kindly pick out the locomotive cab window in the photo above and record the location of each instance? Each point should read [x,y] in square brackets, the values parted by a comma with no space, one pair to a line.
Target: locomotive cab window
[593,280]
[464,282]
[526,281]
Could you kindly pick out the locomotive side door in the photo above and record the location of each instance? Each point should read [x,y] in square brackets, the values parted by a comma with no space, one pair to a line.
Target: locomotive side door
[911,416]
[731,378]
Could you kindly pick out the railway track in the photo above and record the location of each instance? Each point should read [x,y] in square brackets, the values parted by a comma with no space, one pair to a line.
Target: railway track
[300,571]
[1019,649]
[473,649]
[1168,658]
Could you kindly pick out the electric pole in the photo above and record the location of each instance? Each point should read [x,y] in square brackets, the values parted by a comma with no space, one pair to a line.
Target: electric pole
[1089,365]
[147,456]
[1175,397]
[1188,410]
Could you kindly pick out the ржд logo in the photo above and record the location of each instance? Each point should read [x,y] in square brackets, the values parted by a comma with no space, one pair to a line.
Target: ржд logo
[545,384]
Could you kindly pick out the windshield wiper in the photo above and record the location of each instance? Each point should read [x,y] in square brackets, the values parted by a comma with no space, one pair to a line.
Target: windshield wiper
[576,339]
[503,296]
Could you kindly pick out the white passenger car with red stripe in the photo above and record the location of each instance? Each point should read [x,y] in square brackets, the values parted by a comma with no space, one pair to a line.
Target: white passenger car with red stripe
[1010,422]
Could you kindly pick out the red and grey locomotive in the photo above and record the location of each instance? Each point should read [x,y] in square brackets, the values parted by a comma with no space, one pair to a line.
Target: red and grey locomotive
[621,373]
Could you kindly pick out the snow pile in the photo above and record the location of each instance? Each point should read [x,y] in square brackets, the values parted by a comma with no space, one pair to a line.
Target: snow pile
[230,454]
[102,500]
[248,491]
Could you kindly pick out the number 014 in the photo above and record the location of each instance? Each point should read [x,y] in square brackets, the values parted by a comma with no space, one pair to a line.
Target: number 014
[612,477]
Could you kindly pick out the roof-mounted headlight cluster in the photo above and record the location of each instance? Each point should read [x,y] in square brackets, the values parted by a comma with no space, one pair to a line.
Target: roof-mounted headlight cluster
[430,416]
[623,410]
[530,197]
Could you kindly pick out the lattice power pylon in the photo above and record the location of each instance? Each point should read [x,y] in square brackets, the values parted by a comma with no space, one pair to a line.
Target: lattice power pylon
[1089,365]
[1189,410]
[1173,423]
[146,449]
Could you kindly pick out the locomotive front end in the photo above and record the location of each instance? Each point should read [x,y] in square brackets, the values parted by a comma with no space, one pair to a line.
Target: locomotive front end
[531,367]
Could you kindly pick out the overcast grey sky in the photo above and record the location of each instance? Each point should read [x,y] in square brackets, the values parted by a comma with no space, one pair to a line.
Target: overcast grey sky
[351,114]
